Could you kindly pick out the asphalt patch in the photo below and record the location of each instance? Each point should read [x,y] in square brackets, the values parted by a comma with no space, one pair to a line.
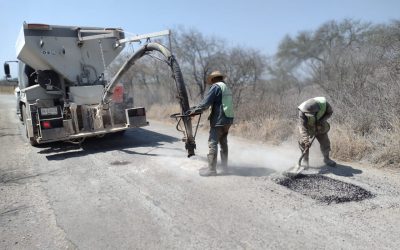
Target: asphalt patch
[325,189]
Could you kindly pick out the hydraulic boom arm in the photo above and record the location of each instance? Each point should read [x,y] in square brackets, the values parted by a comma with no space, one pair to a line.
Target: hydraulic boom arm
[189,139]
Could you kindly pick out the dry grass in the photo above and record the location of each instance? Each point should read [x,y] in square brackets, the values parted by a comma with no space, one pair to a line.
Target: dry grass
[348,145]
[269,130]
[380,147]
[388,146]
[389,156]
[7,89]
[162,112]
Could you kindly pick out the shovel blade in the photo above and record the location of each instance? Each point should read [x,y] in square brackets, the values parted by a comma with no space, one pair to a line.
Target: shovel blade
[294,171]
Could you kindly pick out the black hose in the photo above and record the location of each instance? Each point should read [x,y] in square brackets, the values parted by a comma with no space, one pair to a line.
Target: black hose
[190,143]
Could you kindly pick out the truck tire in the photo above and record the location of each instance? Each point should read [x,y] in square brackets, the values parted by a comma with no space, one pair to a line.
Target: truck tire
[19,112]
[31,140]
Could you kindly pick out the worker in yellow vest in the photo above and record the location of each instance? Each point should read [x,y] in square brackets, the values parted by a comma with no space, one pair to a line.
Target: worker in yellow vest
[219,98]
[313,116]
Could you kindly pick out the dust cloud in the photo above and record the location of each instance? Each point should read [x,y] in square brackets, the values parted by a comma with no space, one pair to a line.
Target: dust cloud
[249,158]
[246,157]
[253,159]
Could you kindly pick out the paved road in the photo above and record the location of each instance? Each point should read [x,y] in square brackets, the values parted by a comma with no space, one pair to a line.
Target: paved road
[139,191]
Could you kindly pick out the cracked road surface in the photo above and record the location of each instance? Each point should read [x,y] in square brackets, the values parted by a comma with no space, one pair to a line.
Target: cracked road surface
[139,191]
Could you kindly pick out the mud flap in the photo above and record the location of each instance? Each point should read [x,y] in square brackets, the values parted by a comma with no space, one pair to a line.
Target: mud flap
[136,117]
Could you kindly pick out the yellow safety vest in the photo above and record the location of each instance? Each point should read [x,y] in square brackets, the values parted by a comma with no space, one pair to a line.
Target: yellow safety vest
[227,102]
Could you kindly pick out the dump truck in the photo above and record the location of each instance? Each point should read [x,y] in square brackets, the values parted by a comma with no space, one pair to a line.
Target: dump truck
[63,92]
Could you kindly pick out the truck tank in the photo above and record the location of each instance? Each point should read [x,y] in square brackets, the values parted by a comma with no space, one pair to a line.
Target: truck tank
[73,52]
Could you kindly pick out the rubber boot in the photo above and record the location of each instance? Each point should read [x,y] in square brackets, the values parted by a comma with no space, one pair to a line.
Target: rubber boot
[211,170]
[224,162]
[328,160]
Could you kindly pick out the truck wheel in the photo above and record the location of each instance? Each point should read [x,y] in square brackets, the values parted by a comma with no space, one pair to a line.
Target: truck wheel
[32,141]
[19,111]
[23,114]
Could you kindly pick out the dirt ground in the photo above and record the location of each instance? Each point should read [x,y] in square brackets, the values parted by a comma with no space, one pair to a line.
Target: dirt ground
[140,191]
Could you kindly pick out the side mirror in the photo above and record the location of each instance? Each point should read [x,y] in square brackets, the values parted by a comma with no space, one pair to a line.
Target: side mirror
[7,70]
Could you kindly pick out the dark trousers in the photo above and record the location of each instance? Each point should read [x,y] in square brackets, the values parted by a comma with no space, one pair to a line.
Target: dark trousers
[324,143]
[218,135]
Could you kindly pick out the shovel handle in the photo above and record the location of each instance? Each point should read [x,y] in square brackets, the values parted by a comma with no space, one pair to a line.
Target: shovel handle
[306,150]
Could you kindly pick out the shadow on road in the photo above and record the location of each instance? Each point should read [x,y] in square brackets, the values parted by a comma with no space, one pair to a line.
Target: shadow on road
[340,170]
[110,142]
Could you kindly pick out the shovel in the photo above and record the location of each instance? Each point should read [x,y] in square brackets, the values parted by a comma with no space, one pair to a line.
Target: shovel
[305,151]
[293,172]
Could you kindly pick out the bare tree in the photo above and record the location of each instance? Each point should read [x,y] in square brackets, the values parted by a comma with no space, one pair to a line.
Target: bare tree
[196,55]
[243,67]
[354,63]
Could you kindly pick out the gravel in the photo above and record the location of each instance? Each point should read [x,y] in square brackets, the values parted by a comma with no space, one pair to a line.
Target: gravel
[325,189]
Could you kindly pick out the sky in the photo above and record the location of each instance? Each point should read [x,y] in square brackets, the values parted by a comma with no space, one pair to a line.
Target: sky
[258,24]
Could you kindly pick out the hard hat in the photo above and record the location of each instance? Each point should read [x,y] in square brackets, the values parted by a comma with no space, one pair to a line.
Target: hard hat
[310,107]
[214,74]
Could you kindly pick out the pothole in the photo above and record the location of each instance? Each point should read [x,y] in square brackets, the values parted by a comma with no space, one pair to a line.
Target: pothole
[120,163]
[325,189]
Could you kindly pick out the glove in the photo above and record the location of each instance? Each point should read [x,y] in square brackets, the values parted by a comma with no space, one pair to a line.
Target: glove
[306,144]
[191,111]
